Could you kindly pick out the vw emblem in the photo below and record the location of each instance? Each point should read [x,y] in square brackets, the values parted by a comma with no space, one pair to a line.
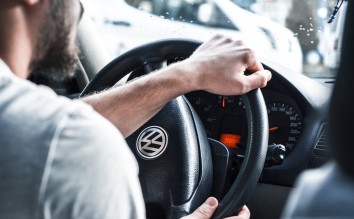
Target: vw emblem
[152,142]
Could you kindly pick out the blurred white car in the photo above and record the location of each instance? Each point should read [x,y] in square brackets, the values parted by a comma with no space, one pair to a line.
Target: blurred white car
[331,39]
[124,26]
[285,47]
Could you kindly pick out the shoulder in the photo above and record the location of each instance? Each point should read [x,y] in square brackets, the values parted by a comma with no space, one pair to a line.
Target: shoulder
[78,160]
[90,167]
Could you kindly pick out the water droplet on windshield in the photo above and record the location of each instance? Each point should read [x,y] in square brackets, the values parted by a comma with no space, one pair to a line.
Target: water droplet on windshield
[163,17]
[295,34]
[312,42]
[167,13]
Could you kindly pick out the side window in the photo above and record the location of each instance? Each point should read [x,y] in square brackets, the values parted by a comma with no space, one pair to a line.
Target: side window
[191,11]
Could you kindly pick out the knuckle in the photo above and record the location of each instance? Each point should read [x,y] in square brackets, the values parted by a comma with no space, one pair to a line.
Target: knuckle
[228,39]
[249,55]
[204,211]
[264,81]
[218,36]
[223,39]
[239,43]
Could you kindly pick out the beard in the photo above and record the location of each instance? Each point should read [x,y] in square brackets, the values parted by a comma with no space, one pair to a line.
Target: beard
[55,54]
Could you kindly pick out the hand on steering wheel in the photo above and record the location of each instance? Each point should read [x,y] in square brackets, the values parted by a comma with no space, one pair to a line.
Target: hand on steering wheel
[221,63]
[207,209]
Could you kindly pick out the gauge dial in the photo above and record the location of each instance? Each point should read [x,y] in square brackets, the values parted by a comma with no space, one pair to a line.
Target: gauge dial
[285,124]
[206,112]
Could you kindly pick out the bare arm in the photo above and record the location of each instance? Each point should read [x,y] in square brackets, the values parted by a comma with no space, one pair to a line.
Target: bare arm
[131,105]
[217,66]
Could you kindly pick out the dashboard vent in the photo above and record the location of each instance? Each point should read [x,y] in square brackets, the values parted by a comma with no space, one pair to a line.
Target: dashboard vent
[321,151]
[321,147]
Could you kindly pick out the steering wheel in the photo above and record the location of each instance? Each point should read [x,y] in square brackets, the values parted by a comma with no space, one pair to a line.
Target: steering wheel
[174,156]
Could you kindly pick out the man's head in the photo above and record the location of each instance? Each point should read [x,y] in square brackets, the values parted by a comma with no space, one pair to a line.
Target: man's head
[55,53]
[39,36]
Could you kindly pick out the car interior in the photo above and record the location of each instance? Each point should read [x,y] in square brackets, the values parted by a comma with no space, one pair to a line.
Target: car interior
[247,149]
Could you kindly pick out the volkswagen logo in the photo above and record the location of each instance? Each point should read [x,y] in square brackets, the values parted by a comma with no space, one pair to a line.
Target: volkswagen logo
[152,142]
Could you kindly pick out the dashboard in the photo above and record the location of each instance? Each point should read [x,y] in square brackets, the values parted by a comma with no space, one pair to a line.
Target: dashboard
[297,108]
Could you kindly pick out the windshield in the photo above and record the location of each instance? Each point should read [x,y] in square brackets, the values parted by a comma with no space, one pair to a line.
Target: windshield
[292,33]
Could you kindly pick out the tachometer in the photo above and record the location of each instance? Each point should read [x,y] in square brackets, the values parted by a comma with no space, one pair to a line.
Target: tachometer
[206,112]
[285,124]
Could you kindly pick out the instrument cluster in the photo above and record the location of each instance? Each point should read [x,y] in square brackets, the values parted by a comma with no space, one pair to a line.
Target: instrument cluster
[224,118]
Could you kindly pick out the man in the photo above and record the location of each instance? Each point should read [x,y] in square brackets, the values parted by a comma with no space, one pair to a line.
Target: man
[61,159]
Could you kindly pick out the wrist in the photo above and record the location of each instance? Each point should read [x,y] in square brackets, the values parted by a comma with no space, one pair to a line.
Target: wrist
[189,74]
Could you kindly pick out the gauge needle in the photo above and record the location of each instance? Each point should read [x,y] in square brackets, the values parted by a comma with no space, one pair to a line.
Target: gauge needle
[223,103]
[274,129]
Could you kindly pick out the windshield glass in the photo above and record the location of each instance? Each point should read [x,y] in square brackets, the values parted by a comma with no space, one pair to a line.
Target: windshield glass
[292,33]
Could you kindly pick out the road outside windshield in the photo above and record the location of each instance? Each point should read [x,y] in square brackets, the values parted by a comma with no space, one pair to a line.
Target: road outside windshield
[290,32]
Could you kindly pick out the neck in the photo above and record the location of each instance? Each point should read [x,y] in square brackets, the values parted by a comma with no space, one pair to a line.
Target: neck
[15,41]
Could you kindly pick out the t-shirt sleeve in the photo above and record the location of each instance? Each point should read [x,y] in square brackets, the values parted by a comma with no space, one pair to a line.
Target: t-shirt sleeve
[90,172]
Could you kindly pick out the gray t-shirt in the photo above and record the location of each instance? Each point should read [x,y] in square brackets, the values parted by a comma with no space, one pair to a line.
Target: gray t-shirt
[61,159]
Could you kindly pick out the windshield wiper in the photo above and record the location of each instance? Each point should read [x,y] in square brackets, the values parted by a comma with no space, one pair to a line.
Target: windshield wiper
[335,10]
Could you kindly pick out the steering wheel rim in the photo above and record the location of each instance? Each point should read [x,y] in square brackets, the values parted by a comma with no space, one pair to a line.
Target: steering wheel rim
[257,139]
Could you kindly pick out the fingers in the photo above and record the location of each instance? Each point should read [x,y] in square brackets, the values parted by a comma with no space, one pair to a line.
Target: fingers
[254,64]
[258,79]
[243,214]
[219,65]
[205,211]
[216,41]
[239,43]
[227,39]
[249,56]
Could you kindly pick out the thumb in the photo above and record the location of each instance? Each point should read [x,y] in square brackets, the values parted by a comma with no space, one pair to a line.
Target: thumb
[205,211]
[258,79]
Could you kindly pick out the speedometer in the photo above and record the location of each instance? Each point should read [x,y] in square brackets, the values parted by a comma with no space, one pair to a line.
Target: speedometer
[285,124]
